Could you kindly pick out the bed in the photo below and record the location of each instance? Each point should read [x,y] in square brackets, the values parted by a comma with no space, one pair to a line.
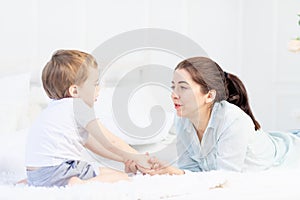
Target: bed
[23,101]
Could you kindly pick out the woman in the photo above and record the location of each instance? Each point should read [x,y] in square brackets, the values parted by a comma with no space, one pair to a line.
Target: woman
[215,127]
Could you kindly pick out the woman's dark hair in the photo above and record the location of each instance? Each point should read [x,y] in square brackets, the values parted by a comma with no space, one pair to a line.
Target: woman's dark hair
[210,76]
[207,74]
[237,95]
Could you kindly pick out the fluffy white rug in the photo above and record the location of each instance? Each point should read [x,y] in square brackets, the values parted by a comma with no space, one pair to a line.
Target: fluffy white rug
[209,185]
[273,184]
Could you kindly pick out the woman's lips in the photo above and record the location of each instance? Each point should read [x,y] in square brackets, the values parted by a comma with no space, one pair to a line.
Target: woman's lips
[177,106]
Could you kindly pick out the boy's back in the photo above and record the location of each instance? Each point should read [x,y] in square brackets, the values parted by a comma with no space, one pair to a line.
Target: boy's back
[55,136]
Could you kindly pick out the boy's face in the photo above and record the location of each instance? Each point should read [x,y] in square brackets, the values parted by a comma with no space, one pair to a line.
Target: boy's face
[89,90]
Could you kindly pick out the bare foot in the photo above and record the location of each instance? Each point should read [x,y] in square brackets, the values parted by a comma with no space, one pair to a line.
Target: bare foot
[111,175]
[75,181]
[23,181]
[106,175]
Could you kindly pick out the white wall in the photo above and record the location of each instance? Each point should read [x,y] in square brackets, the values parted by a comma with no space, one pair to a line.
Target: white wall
[246,37]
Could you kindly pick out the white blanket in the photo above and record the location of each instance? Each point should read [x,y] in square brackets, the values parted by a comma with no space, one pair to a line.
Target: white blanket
[271,184]
[208,185]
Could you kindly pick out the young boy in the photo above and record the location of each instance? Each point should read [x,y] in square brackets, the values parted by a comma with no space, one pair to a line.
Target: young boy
[68,125]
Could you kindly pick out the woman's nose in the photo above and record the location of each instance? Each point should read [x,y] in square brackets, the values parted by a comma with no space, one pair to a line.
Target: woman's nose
[174,95]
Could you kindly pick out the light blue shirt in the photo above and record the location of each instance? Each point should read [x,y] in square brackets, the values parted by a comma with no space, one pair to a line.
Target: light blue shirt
[229,142]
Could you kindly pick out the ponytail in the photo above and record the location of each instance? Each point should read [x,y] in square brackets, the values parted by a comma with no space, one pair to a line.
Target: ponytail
[237,95]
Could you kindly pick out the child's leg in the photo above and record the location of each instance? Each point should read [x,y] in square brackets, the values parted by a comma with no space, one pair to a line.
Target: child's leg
[105,175]
[23,181]
[110,175]
[75,180]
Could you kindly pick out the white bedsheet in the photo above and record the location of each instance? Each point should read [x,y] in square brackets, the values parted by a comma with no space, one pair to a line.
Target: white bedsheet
[272,184]
[209,185]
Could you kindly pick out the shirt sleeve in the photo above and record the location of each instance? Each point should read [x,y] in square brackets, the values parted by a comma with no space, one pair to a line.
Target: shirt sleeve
[233,143]
[82,112]
[184,161]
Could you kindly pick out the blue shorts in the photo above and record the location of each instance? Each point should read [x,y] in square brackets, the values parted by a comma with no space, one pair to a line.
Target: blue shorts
[60,175]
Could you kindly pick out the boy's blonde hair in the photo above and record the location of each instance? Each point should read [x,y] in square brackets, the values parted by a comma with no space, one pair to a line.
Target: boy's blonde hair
[66,68]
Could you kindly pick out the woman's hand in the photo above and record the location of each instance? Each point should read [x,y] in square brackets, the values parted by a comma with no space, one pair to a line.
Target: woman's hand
[160,168]
[165,170]
[169,170]
[144,162]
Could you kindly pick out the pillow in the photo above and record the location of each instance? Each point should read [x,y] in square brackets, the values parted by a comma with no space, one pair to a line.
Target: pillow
[12,156]
[38,100]
[14,101]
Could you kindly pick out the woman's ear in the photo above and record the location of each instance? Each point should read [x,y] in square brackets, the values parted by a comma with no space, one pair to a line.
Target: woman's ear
[211,95]
[73,90]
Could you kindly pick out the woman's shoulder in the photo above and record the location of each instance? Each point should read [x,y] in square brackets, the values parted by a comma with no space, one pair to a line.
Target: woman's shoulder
[230,119]
[231,113]
[231,109]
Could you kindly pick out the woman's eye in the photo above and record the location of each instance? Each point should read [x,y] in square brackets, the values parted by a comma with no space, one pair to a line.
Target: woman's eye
[181,87]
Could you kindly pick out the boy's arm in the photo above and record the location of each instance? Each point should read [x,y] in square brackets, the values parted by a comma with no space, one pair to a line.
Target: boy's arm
[96,147]
[115,145]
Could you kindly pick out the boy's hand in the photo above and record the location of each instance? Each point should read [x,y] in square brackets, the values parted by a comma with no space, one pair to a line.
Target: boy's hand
[156,164]
[130,167]
[143,160]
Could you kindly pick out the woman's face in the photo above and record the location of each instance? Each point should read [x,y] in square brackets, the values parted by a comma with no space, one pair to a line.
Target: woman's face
[187,96]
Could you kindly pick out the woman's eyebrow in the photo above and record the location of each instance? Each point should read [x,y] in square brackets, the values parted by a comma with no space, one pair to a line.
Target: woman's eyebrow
[180,82]
[183,82]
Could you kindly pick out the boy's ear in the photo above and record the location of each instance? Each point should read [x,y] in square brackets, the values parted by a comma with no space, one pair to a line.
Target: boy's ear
[73,90]
[211,95]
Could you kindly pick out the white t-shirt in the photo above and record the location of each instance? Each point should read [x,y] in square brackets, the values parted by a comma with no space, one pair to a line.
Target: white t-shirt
[59,133]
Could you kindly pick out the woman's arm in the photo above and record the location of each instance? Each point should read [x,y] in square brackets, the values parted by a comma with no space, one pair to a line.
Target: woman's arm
[184,160]
[233,143]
